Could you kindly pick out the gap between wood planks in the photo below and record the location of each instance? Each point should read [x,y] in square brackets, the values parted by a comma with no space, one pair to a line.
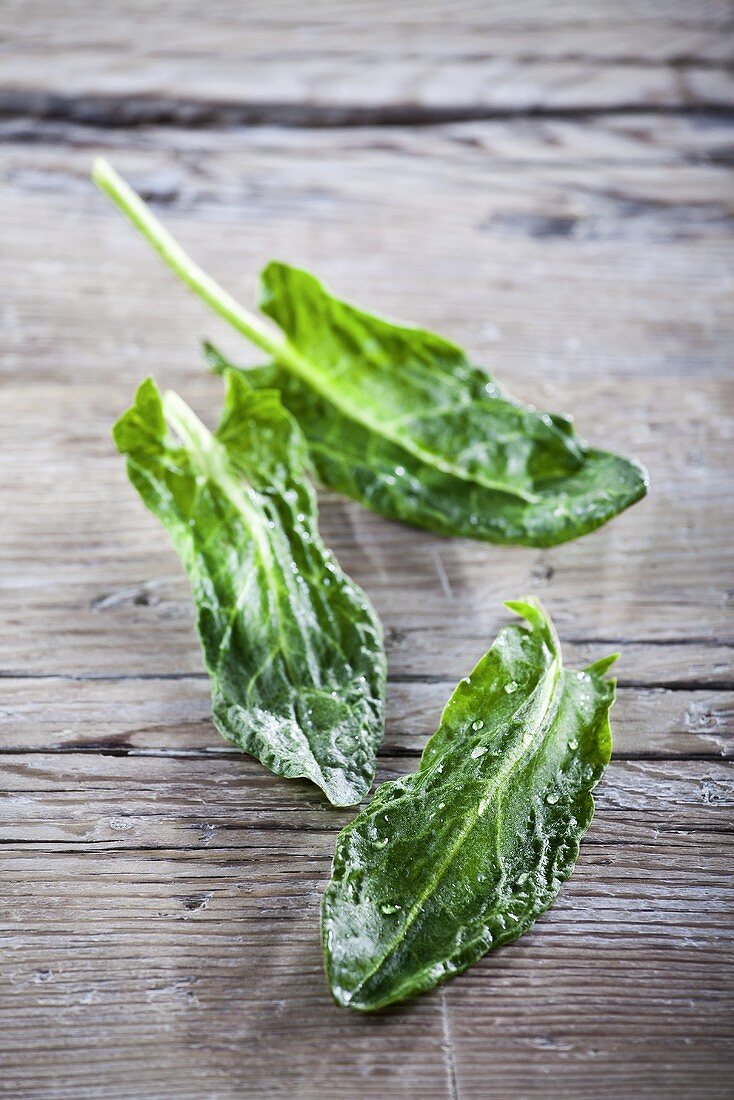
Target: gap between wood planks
[392,678]
[651,756]
[140,110]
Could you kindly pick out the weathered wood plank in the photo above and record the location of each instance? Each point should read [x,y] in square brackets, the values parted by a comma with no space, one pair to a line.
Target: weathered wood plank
[161,716]
[136,995]
[168,935]
[340,62]
[586,213]
[82,802]
[106,581]
[687,664]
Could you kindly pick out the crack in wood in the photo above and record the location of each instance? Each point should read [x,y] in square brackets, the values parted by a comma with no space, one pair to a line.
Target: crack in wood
[138,110]
[388,753]
[392,678]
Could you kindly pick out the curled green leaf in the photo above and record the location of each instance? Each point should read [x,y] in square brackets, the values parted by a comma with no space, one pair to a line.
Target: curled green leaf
[292,646]
[463,855]
[400,419]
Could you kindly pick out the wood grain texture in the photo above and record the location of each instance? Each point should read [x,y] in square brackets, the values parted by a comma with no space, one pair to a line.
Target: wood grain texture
[340,62]
[159,928]
[156,716]
[163,930]
[626,215]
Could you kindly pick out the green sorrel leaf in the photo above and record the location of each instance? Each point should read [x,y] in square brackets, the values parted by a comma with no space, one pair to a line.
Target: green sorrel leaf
[292,646]
[399,419]
[465,854]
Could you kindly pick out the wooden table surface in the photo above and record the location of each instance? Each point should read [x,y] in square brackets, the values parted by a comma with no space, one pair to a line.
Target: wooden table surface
[550,185]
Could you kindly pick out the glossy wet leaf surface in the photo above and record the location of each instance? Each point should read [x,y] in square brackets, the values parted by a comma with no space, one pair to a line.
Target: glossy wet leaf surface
[292,646]
[463,855]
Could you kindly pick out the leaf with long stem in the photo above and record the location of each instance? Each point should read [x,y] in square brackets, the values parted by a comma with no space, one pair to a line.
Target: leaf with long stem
[400,419]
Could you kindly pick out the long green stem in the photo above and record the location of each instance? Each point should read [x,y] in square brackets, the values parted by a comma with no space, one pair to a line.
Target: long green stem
[180,263]
[132,206]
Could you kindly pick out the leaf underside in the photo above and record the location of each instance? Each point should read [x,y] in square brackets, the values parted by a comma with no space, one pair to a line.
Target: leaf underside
[463,855]
[398,419]
[292,646]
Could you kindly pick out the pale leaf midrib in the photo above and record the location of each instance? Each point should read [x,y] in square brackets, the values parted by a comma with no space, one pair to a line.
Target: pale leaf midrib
[289,356]
[212,457]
